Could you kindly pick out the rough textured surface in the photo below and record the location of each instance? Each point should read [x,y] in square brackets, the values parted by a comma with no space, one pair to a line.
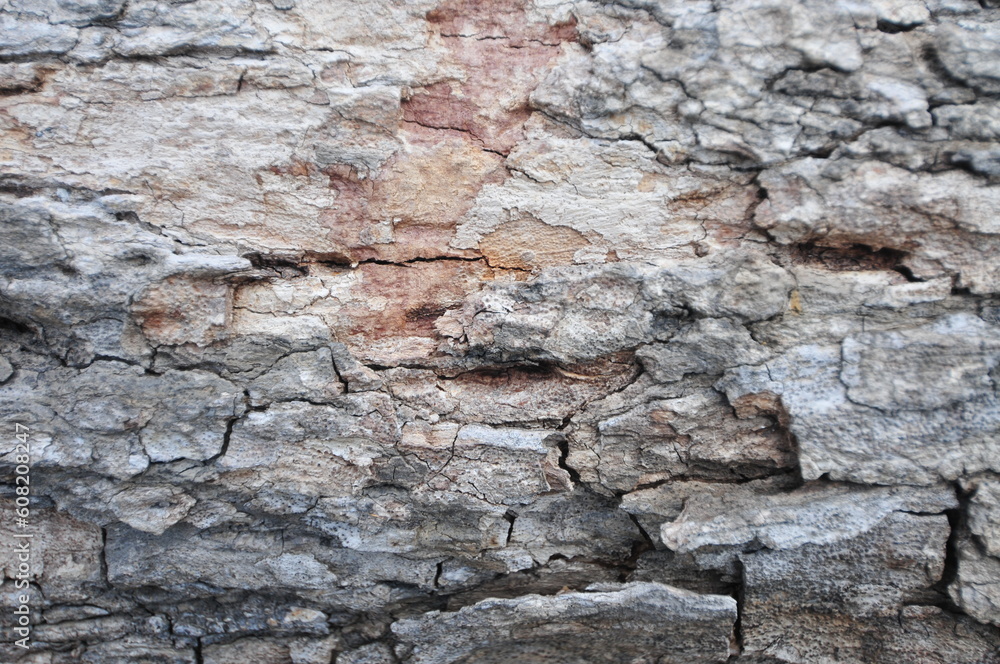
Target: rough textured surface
[645,620]
[439,331]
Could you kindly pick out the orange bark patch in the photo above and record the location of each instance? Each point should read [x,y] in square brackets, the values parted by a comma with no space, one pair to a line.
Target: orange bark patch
[296,167]
[181,310]
[529,244]
[412,208]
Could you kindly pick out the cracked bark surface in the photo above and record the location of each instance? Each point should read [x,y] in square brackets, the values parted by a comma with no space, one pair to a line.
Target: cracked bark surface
[649,331]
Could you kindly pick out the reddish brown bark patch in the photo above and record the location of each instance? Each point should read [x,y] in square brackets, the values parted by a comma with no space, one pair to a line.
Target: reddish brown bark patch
[503,56]
[415,296]
[497,19]
[491,103]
